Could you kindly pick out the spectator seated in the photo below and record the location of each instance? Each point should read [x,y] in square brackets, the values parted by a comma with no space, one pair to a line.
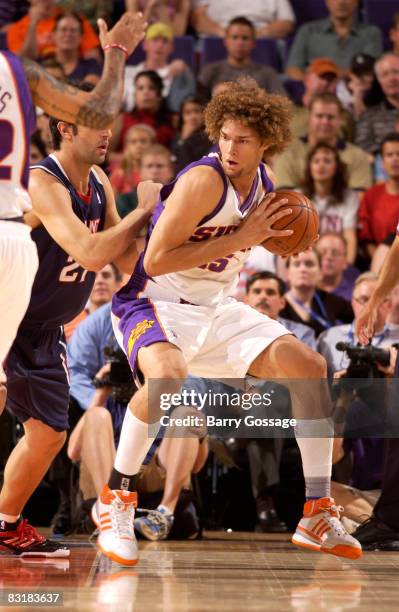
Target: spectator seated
[265,52]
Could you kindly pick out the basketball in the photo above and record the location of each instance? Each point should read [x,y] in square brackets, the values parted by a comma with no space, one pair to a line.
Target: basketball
[304,220]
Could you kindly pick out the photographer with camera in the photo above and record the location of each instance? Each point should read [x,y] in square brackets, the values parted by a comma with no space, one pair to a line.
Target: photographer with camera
[381,531]
[352,364]
[169,464]
[384,335]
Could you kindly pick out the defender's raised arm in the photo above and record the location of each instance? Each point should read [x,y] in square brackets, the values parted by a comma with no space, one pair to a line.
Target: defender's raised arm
[98,108]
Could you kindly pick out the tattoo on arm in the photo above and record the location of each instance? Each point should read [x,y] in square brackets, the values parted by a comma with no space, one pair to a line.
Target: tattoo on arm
[105,100]
[101,105]
[32,71]
[35,72]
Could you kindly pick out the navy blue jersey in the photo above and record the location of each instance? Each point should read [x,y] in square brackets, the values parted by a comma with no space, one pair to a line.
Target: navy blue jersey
[62,287]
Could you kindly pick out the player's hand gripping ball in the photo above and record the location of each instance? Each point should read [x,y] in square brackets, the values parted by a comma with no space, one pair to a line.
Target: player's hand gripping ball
[304,221]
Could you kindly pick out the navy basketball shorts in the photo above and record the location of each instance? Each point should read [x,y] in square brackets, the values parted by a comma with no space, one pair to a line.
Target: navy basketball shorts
[37,377]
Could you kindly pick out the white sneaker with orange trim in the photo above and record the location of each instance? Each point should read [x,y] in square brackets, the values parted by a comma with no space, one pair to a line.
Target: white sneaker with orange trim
[113,514]
[321,530]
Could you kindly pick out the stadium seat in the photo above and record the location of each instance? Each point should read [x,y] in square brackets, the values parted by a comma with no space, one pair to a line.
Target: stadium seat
[183,49]
[266,52]
[380,13]
[309,10]
[295,90]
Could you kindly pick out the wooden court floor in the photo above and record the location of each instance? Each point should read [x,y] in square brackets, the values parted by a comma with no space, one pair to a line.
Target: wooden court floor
[233,572]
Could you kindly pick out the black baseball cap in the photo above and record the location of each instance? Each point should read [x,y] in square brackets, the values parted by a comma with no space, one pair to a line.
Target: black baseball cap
[362,64]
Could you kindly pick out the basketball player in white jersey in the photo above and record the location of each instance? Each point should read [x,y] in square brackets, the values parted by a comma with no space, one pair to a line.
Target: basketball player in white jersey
[23,84]
[174,316]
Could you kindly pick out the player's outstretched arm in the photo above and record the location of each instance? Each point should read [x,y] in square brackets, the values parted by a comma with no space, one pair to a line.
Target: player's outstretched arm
[388,279]
[98,108]
[196,195]
[52,206]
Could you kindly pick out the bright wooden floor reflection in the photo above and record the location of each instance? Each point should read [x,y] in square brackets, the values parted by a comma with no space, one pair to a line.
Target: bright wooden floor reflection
[234,572]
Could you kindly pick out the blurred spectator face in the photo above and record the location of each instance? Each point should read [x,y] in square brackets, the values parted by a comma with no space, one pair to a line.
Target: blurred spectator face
[34,154]
[146,95]
[390,159]
[342,9]
[157,168]
[364,81]
[321,76]
[387,71]
[323,165]
[192,114]
[68,34]
[304,270]
[264,296]
[324,121]
[158,48]
[315,83]
[239,42]
[332,251]
[362,294]
[104,286]
[137,141]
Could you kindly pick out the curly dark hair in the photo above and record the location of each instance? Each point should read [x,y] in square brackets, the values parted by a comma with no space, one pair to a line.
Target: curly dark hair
[268,114]
[339,180]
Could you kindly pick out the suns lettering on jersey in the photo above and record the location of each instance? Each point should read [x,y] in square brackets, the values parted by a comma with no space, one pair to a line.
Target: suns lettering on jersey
[206,232]
[136,332]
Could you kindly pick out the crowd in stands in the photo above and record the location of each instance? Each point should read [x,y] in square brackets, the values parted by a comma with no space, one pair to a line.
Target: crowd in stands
[341,72]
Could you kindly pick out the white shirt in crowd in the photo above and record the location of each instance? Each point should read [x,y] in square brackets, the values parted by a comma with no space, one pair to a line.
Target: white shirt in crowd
[259,12]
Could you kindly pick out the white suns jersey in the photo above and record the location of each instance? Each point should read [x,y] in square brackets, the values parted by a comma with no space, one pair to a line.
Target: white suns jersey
[16,127]
[212,283]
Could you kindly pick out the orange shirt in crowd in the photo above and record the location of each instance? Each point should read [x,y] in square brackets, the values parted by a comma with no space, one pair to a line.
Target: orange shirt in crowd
[16,34]
[70,327]
[124,182]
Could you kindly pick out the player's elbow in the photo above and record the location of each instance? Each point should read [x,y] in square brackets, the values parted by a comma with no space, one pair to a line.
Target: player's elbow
[153,264]
[92,262]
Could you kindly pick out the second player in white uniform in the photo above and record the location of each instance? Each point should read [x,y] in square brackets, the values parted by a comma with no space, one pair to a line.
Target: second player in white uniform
[18,254]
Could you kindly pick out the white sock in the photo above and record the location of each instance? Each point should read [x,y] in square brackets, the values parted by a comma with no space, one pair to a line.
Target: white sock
[316,454]
[165,509]
[134,444]
[9,518]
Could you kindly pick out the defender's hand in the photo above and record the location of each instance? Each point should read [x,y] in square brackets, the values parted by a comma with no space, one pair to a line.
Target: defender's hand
[129,31]
[148,195]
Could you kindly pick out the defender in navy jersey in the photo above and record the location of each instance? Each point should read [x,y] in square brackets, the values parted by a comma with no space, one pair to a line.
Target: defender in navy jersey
[175,315]
[20,82]
[77,231]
